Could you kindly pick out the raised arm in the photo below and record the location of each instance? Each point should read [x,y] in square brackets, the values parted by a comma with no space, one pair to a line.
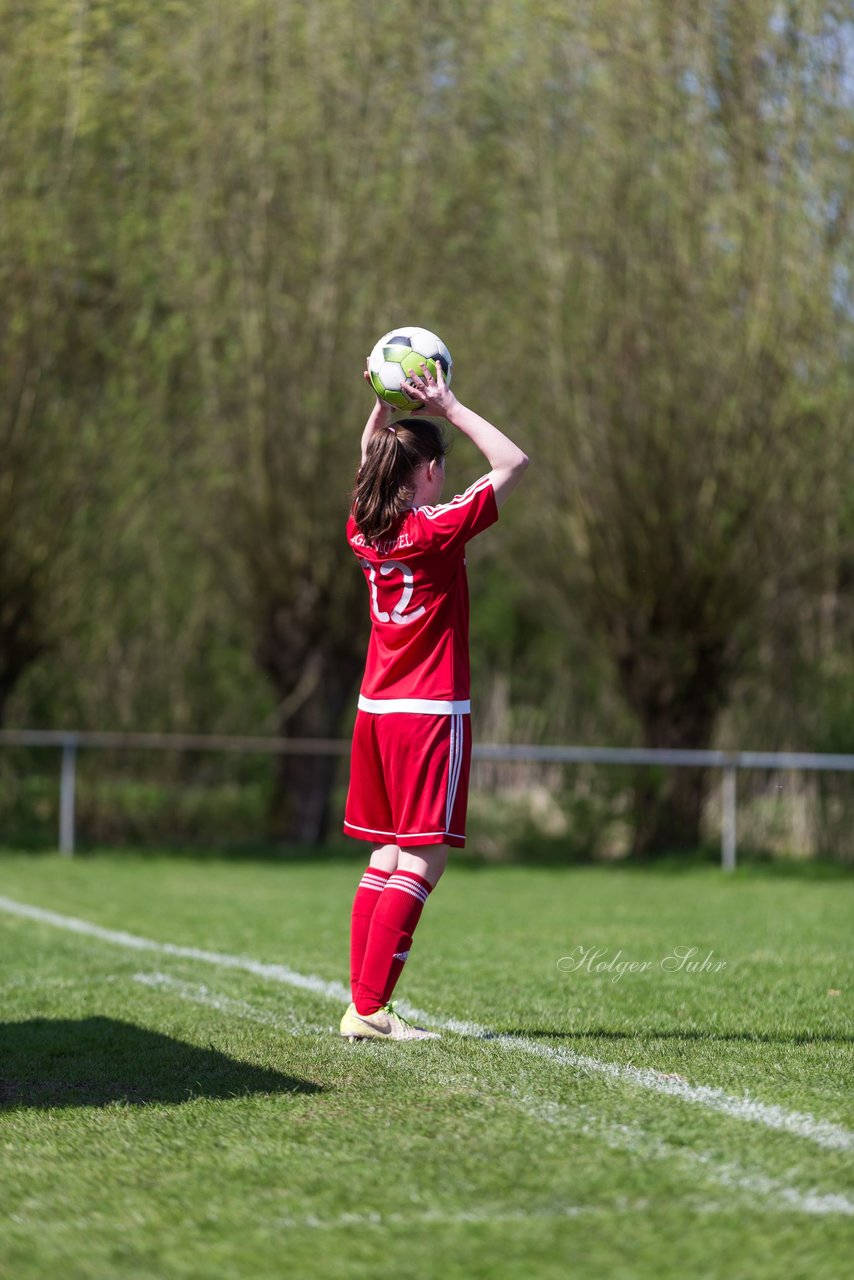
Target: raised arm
[379,417]
[506,459]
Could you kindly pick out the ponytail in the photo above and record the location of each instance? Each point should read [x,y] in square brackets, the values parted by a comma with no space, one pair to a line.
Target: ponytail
[385,483]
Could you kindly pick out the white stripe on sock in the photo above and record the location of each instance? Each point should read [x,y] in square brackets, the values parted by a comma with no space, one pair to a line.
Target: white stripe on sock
[373,882]
[409,886]
[403,887]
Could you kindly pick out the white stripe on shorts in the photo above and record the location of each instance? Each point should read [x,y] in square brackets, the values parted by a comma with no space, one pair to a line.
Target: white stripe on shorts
[417,835]
[455,762]
[371,831]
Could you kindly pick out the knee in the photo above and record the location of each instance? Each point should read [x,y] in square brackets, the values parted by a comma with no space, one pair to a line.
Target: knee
[385,858]
[428,862]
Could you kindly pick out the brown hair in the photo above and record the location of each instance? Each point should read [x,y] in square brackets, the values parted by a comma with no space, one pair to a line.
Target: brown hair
[384,484]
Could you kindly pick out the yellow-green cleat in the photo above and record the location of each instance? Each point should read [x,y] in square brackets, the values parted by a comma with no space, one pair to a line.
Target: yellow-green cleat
[385,1024]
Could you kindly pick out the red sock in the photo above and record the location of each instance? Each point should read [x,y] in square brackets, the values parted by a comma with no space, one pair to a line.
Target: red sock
[367,897]
[389,938]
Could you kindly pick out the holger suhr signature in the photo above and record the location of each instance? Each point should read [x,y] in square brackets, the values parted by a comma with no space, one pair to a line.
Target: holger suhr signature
[598,960]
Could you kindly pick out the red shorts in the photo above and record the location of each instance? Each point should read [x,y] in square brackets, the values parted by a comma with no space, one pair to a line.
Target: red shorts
[409,779]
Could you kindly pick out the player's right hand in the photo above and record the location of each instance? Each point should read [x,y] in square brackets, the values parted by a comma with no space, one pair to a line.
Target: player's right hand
[432,393]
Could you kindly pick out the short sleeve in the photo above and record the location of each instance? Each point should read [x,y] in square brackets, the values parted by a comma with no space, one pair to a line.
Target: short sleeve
[452,524]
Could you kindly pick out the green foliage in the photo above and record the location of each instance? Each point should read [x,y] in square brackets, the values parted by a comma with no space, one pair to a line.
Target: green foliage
[640,212]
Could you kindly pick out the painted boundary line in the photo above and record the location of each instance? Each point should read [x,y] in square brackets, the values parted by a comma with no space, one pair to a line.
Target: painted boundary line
[275,972]
[461,1217]
[576,1119]
[800,1124]
[231,1007]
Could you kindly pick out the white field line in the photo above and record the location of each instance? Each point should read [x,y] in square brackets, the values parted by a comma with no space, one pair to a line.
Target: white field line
[798,1123]
[228,1005]
[275,972]
[578,1119]
[429,1217]
[626,1137]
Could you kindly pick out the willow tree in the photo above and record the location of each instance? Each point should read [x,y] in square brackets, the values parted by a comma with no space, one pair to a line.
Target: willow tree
[688,183]
[312,211]
[48,360]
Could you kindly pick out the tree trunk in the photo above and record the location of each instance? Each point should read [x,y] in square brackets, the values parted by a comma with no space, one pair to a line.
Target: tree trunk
[676,714]
[314,677]
[300,810]
[667,811]
[22,639]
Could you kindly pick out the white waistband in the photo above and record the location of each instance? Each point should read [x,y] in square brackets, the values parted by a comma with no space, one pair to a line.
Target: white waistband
[415,706]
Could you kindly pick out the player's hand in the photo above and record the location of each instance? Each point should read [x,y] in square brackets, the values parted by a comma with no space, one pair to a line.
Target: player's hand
[432,393]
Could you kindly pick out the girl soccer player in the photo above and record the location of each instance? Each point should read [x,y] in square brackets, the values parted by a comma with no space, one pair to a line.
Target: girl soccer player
[412,738]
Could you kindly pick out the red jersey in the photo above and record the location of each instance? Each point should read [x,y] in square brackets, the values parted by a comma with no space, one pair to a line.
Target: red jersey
[418,654]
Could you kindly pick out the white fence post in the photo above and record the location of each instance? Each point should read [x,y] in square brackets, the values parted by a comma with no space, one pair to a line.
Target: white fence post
[67,797]
[728,817]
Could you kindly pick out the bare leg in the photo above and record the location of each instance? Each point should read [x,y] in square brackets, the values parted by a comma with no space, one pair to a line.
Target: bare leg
[428,862]
[385,858]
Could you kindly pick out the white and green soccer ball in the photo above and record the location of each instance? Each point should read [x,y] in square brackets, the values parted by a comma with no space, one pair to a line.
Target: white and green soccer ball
[400,353]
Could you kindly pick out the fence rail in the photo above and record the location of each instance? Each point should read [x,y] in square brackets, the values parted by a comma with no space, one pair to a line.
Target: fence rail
[729,762]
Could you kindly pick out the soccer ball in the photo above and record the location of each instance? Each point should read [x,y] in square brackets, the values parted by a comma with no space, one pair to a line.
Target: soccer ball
[400,353]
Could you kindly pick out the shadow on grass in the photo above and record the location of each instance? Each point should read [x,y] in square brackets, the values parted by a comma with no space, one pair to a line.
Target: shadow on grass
[711,1037]
[91,1062]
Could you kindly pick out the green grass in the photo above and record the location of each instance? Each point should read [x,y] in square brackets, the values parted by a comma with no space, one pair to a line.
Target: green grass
[161,1116]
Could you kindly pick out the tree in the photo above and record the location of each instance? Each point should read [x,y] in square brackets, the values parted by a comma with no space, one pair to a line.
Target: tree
[305,221]
[689,187]
[44,360]
[630,224]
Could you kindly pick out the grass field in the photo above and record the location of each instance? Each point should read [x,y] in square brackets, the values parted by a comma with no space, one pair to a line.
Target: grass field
[174,1101]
